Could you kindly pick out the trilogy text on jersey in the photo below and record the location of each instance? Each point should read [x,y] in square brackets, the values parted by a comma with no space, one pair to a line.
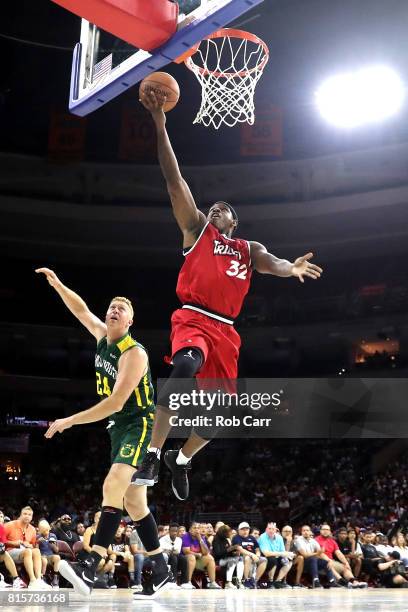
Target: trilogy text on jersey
[225,249]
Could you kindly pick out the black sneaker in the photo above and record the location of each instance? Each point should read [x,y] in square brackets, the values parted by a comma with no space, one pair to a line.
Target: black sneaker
[316,584]
[81,575]
[179,481]
[148,472]
[159,585]
[111,583]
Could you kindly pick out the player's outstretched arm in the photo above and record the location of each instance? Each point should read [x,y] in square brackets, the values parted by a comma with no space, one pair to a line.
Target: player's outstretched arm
[266,263]
[189,218]
[75,304]
[132,366]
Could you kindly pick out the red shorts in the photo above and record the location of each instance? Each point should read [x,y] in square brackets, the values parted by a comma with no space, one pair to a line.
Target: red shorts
[219,342]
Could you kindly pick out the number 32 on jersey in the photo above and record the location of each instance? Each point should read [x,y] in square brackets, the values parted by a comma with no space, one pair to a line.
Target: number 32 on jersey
[238,270]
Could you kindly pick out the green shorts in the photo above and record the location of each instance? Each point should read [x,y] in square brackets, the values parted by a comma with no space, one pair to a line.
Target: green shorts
[129,443]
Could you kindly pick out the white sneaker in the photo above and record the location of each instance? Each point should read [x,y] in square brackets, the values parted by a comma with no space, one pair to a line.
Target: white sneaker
[229,585]
[19,584]
[214,585]
[43,586]
[187,585]
[33,586]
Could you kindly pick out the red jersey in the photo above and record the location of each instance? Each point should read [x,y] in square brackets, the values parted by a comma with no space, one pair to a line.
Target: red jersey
[216,274]
[328,545]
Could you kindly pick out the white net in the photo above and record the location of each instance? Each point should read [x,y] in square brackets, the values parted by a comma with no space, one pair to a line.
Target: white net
[228,65]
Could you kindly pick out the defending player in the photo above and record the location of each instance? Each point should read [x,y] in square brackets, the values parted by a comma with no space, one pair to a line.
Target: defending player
[123,383]
[212,285]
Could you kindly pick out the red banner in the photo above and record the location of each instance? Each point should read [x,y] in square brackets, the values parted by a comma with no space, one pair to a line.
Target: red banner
[66,137]
[137,134]
[265,137]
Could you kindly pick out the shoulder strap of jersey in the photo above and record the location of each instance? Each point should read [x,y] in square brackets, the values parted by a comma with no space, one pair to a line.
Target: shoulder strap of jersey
[189,249]
[126,343]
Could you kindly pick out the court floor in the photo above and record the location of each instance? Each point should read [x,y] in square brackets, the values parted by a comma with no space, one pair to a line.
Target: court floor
[338,600]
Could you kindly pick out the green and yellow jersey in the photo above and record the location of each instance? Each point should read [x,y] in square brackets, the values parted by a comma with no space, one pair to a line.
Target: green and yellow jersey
[141,401]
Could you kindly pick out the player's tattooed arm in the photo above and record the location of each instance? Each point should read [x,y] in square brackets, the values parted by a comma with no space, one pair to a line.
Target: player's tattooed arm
[266,263]
[132,366]
[189,218]
[75,304]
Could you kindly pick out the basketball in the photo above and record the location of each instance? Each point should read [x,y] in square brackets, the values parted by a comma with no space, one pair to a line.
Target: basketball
[163,84]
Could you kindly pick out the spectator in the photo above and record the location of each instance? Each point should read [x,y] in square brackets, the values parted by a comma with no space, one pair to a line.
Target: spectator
[119,551]
[315,559]
[80,529]
[47,543]
[198,556]
[255,532]
[370,554]
[160,531]
[105,565]
[392,572]
[218,525]
[356,554]
[227,555]
[128,533]
[6,558]
[171,547]
[21,544]
[254,563]
[140,557]
[181,531]
[64,530]
[210,534]
[278,559]
[349,551]
[339,564]
[382,546]
[400,544]
[298,561]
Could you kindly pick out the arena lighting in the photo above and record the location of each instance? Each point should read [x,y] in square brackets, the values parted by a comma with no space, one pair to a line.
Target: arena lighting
[361,97]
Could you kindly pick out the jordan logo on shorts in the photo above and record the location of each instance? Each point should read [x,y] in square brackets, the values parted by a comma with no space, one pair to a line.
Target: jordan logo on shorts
[190,354]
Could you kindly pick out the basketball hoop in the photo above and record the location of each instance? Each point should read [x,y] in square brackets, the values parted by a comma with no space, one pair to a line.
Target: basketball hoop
[228,64]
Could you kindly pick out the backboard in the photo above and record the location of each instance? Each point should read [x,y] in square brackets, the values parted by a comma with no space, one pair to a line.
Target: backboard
[103,67]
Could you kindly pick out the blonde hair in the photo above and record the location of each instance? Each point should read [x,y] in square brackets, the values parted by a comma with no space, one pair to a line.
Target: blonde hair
[43,523]
[126,301]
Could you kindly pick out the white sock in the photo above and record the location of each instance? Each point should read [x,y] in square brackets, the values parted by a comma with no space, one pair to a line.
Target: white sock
[182,459]
[240,570]
[152,449]
[230,572]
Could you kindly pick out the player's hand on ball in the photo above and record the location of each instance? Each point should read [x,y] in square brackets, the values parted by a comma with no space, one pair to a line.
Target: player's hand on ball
[154,105]
[302,267]
[52,278]
[58,426]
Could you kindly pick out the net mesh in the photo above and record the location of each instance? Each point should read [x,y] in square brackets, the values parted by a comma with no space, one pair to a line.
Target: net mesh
[228,67]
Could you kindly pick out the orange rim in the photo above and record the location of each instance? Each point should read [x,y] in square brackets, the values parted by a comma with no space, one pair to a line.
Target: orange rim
[230,33]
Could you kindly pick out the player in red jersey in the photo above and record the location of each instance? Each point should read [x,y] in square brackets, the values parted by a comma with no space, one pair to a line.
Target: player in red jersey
[212,285]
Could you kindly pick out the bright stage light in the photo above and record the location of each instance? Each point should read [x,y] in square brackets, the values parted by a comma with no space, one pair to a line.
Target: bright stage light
[357,98]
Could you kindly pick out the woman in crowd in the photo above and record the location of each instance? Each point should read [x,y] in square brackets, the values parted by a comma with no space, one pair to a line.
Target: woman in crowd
[227,556]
